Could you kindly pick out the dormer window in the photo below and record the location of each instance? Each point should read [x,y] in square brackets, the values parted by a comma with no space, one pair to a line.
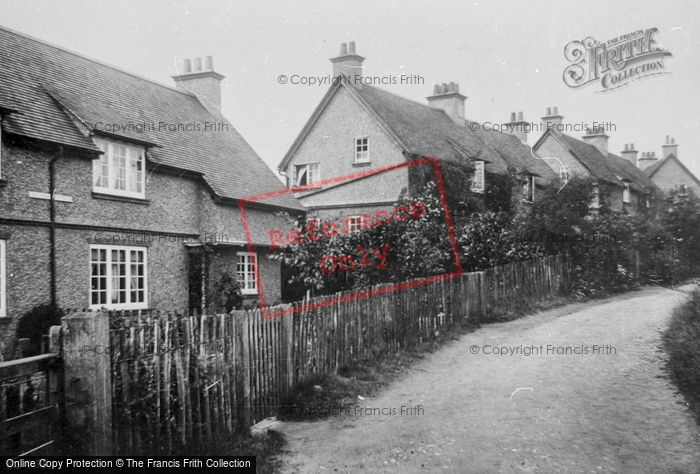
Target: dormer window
[362,150]
[626,194]
[478,180]
[119,170]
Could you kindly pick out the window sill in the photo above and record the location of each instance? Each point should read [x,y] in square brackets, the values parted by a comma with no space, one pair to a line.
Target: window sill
[112,197]
[360,164]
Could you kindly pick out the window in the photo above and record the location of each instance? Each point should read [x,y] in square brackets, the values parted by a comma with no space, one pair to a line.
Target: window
[307,174]
[245,272]
[119,170]
[626,193]
[3,279]
[564,173]
[118,277]
[353,223]
[529,189]
[595,202]
[478,177]
[362,150]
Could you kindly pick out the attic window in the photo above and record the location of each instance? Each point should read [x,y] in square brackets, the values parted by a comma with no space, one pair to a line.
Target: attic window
[478,177]
[626,194]
[119,170]
[362,150]
[307,174]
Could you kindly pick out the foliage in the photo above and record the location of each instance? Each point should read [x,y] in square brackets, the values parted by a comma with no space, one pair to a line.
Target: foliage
[222,294]
[682,343]
[35,324]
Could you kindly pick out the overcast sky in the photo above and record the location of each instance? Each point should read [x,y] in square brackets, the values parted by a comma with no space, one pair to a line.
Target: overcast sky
[506,56]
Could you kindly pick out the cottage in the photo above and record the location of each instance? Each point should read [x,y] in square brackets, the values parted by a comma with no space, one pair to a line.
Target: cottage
[112,184]
[359,127]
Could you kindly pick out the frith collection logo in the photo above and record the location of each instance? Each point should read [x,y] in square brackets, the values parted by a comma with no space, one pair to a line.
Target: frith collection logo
[615,63]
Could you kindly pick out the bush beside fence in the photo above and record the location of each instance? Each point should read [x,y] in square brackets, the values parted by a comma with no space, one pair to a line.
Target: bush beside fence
[179,380]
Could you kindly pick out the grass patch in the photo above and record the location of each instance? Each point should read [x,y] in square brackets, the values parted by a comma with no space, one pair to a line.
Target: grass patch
[682,343]
[321,396]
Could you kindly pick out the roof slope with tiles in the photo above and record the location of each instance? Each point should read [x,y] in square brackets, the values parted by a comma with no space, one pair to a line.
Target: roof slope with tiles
[57,93]
[612,168]
[422,130]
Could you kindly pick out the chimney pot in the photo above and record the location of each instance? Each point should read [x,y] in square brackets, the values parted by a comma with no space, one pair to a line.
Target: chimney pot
[667,139]
[631,146]
[520,116]
[549,111]
[457,88]
[343,49]
[673,141]
[626,147]
[197,64]
[436,89]
[187,66]
[208,63]
[512,117]
[351,47]
[452,87]
[444,88]
[555,111]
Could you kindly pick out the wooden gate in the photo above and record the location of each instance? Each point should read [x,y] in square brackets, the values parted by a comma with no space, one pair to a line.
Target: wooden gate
[31,403]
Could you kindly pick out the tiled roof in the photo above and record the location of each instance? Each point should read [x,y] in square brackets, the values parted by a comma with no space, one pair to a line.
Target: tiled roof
[612,168]
[422,130]
[57,91]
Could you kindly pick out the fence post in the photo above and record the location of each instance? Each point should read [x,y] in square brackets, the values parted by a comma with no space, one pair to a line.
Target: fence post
[88,381]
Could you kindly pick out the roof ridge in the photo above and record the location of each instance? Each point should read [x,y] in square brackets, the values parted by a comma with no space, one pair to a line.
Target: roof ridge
[83,56]
[402,97]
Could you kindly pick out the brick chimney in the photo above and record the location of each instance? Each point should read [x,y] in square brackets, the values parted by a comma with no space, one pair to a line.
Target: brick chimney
[446,97]
[646,160]
[597,138]
[552,119]
[202,82]
[630,154]
[669,148]
[518,127]
[349,64]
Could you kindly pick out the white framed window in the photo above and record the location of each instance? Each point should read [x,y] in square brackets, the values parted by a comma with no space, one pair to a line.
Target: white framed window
[362,150]
[307,174]
[3,278]
[529,189]
[353,223]
[478,180]
[245,272]
[118,277]
[119,170]
[626,193]
[595,202]
[564,173]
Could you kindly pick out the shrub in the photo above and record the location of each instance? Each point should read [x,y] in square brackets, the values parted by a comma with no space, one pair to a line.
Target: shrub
[35,323]
[682,343]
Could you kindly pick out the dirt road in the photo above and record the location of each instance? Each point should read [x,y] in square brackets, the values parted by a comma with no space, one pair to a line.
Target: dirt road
[606,406]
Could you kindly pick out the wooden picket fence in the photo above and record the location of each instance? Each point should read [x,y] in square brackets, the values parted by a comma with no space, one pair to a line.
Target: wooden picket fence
[182,379]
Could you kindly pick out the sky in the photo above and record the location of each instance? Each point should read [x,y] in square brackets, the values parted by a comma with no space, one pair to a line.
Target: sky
[506,56]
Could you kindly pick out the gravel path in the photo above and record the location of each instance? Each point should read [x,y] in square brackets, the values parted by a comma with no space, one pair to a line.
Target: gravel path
[612,411]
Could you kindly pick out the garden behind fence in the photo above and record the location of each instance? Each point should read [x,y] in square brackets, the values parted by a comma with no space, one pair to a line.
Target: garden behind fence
[177,380]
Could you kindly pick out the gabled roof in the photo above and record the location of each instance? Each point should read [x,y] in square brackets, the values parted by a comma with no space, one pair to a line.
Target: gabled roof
[418,129]
[61,96]
[651,171]
[611,168]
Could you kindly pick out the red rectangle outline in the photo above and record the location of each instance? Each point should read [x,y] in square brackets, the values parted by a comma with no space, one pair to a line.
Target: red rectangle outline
[422,281]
